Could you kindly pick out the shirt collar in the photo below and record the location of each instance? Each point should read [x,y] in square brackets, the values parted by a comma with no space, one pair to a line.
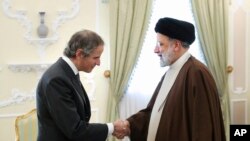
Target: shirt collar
[71,64]
[180,61]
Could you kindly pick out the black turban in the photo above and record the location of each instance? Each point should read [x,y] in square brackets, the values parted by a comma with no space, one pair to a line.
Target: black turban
[176,29]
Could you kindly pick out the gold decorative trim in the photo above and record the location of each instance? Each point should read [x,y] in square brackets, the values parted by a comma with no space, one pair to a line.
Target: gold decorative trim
[18,118]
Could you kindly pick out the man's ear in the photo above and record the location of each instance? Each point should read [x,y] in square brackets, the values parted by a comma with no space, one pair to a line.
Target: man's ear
[79,52]
[177,46]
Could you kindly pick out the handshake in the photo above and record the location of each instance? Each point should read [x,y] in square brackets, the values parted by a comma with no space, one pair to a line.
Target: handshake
[121,129]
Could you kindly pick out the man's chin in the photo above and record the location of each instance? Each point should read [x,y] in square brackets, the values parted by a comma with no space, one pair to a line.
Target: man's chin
[163,65]
[88,71]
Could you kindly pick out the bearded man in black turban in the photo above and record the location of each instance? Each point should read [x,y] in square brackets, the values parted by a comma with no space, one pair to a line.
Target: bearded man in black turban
[185,105]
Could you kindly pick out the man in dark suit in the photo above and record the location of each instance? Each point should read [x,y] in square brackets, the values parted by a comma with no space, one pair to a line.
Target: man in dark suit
[63,107]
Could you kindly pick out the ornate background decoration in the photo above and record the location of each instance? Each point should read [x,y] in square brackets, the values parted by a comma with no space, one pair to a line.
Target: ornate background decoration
[17,95]
[20,97]
[41,43]
[25,68]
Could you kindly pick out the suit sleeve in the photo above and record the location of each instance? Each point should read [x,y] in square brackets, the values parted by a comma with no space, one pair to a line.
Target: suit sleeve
[62,107]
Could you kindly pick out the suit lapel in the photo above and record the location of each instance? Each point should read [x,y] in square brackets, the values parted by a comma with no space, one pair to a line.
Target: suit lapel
[87,103]
[81,91]
[78,88]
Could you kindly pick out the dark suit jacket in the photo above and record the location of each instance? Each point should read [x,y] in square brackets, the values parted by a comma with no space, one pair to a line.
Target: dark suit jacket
[63,108]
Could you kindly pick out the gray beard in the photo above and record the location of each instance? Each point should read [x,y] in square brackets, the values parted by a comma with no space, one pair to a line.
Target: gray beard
[165,59]
[164,62]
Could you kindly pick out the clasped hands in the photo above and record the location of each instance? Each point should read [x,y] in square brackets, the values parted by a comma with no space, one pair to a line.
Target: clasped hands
[121,129]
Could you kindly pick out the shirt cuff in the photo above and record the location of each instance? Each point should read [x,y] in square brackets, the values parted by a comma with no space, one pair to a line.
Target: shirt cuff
[111,128]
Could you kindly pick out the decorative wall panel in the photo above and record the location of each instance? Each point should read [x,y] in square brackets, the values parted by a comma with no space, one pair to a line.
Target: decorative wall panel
[22,18]
[240,50]
[239,111]
[18,96]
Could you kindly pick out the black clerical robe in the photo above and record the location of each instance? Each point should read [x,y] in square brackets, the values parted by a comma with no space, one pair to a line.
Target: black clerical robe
[192,110]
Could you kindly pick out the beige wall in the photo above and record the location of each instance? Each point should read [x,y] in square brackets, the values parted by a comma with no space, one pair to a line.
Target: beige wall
[21,62]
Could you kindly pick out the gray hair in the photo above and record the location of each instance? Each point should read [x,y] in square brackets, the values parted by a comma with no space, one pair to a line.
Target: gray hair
[184,44]
[86,40]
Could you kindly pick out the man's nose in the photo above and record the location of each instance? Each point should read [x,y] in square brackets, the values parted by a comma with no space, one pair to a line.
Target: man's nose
[156,50]
[98,62]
